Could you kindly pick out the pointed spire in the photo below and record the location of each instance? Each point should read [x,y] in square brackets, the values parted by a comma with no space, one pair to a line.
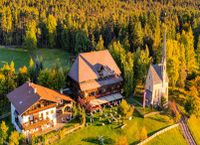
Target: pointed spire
[164,58]
[164,48]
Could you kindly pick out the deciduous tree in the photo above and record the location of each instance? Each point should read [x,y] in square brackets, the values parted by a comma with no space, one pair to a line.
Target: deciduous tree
[3,132]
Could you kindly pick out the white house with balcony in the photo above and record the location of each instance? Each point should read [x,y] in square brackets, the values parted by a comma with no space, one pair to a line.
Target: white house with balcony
[35,108]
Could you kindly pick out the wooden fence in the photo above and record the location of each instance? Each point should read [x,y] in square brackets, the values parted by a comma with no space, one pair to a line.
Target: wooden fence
[56,136]
[158,133]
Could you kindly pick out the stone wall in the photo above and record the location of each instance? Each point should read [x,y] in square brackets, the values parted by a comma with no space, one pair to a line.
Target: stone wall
[158,133]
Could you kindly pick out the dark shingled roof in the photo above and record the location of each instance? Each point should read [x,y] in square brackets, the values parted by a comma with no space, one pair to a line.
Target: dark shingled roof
[86,66]
[28,94]
[156,71]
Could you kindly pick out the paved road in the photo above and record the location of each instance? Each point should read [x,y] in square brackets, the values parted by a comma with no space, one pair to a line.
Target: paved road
[187,134]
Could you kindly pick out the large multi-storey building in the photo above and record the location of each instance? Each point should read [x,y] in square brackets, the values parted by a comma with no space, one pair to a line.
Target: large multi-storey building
[96,79]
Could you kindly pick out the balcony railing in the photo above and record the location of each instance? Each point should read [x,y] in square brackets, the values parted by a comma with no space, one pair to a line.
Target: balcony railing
[40,109]
[35,123]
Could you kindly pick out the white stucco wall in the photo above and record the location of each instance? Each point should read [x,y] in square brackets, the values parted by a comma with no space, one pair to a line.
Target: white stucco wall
[13,119]
[157,92]
[24,119]
[156,89]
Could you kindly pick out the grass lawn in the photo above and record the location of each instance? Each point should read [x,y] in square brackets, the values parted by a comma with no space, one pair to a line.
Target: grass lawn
[21,57]
[194,126]
[111,131]
[171,137]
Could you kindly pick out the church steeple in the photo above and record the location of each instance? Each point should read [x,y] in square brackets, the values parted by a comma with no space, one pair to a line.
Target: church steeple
[164,58]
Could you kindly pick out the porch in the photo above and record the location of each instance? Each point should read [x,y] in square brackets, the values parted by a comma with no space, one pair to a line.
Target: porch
[109,100]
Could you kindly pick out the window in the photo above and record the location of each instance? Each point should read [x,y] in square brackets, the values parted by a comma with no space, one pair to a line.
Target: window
[47,113]
[52,111]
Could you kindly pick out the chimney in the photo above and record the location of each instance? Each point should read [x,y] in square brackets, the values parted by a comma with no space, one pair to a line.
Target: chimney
[61,91]
[35,90]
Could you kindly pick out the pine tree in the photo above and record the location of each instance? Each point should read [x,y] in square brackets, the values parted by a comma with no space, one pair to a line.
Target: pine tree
[100,44]
[182,67]
[188,41]
[22,75]
[173,63]
[198,54]
[157,35]
[128,64]
[3,132]
[51,24]
[14,138]
[82,42]
[30,40]
[118,53]
[137,35]
[142,61]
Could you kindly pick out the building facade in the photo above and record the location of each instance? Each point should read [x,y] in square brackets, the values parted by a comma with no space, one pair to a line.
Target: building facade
[95,77]
[157,81]
[35,108]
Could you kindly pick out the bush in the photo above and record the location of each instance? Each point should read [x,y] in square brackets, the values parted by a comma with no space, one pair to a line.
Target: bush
[61,134]
[142,134]
[125,109]
[122,141]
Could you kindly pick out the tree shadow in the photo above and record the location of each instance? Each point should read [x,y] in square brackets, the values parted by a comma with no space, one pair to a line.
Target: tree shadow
[158,119]
[95,140]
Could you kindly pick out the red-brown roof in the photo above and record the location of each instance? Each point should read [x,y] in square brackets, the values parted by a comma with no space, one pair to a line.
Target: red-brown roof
[86,65]
[97,84]
[28,94]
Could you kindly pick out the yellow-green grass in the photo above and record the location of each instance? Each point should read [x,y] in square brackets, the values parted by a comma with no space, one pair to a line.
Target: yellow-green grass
[194,125]
[111,132]
[171,137]
[21,57]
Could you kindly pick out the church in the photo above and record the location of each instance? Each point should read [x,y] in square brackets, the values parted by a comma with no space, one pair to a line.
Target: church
[157,81]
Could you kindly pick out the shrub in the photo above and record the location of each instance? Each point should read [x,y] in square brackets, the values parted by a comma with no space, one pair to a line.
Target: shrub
[122,141]
[125,109]
[142,134]
[61,134]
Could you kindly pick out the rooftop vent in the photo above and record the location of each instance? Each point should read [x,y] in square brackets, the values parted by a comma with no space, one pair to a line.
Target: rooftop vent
[61,91]
[20,102]
[35,90]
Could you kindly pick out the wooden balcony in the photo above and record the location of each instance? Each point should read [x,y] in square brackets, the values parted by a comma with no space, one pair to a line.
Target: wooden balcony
[40,109]
[36,123]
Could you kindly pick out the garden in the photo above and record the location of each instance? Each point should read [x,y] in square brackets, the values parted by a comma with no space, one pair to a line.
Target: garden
[108,125]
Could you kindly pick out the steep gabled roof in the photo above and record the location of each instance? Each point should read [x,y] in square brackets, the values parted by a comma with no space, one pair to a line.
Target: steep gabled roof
[156,73]
[28,94]
[85,66]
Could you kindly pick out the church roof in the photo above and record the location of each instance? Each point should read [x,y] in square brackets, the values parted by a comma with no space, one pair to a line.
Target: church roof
[156,72]
[88,65]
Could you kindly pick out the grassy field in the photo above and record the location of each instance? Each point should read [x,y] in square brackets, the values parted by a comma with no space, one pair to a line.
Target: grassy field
[194,126]
[111,131]
[171,137]
[21,57]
